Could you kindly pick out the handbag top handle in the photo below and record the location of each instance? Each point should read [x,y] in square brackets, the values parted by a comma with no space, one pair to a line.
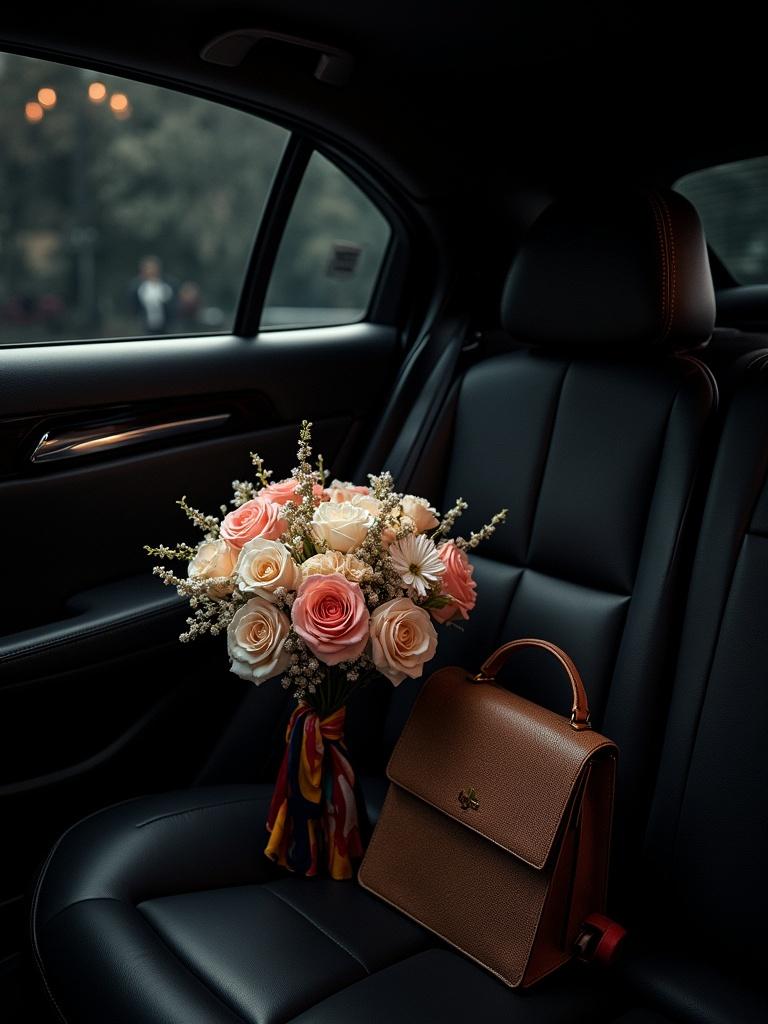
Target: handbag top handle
[580,718]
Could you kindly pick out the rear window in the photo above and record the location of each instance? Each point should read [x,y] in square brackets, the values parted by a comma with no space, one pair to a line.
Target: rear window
[732,200]
[331,253]
[125,209]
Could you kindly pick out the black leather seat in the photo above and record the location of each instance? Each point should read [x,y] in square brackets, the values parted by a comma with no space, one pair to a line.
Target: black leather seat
[164,908]
[701,945]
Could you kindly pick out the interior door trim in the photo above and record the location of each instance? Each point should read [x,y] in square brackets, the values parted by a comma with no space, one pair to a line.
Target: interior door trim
[77,441]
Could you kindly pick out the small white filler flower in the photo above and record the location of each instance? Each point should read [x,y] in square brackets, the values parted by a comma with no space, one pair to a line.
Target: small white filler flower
[417,562]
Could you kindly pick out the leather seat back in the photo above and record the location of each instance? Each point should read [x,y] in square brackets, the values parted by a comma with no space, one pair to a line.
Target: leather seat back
[591,435]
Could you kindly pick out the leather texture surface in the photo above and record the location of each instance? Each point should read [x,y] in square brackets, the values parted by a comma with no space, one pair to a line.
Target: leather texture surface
[622,270]
[534,841]
[463,734]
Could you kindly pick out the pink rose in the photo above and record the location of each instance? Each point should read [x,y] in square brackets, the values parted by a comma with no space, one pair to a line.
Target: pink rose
[329,614]
[283,491]
[255,518]
[457,582]
[343,491]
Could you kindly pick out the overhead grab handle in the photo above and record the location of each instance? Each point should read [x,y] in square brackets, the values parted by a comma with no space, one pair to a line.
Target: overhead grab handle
[334,66]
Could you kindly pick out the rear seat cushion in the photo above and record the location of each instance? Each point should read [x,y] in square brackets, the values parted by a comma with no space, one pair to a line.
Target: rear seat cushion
[168,908]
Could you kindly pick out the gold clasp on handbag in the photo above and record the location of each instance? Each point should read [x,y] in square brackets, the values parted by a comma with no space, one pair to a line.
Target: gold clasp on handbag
[468,800]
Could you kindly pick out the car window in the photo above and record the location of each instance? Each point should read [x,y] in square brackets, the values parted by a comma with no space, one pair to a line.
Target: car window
[732,200]
[125,209]
[330,255]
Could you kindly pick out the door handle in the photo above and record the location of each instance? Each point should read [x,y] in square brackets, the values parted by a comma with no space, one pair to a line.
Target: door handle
[55,445]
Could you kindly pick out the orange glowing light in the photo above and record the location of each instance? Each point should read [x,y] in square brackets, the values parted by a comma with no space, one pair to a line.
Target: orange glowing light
[97,92]
[118,102]
[33,112]
[47,98]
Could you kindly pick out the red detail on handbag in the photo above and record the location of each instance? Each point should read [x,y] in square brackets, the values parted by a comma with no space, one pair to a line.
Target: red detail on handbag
[600,940]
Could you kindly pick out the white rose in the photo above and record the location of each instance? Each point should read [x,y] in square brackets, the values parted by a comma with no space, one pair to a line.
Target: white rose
[265,565]
[213,558]
[402,639]
[256,641]
[419,512]
[341,526]
[366,501]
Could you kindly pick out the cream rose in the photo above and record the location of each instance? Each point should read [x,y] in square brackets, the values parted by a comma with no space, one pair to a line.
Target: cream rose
[402,639]
[333,561]
[418,513]
[265,565]
[213,558]
[256,641]
[342,526]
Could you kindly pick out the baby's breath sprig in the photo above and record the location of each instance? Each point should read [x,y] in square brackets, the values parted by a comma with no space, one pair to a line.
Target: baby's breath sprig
[262,474]
[483,533]
[243,491]
[208,523]
[382,485]
[321,474]
[298,514]
[209,614]
[449,519]
[384,582]
[183,552]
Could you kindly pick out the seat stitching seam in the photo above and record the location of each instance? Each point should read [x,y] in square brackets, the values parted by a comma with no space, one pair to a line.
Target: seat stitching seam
[540,488]
[379,970]
[315,925]
[193,810]
[664,273]
[691,753]
[189,969]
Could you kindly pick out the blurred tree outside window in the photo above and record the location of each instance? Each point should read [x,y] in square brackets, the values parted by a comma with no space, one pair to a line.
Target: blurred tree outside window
[732,201]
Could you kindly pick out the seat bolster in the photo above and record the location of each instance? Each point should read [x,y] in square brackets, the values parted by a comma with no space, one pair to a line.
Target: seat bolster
[156,846]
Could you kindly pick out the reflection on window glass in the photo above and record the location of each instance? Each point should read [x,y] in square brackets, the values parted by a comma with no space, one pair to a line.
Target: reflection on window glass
[124,209]
[732,201]
[331,253]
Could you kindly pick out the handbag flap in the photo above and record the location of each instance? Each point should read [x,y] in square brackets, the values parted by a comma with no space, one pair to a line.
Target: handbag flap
[493,761]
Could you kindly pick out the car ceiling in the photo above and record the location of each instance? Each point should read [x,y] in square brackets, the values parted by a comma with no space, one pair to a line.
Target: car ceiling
[445,94]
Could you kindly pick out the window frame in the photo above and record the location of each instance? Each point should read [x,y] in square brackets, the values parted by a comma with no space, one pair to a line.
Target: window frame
[386,301]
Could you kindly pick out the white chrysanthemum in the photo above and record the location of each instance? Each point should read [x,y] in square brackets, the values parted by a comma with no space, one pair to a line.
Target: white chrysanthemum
[417,562]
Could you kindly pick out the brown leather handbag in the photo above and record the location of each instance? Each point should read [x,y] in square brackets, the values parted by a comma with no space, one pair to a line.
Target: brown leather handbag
[495,831]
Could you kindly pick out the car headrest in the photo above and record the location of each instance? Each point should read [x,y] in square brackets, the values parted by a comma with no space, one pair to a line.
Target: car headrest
[625,270]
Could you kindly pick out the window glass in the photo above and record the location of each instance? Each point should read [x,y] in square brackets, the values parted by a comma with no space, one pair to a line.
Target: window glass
[330,256]
[125,209]
[732,200]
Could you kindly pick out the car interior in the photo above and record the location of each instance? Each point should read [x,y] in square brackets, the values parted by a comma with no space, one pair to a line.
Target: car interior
[513,252]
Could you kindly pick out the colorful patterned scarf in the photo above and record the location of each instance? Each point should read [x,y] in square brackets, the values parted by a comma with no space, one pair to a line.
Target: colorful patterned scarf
[314,806]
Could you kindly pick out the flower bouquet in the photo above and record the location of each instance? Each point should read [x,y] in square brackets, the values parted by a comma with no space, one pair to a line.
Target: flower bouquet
[324,585]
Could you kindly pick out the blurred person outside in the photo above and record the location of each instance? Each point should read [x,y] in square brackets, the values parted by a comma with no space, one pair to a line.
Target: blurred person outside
[153,296]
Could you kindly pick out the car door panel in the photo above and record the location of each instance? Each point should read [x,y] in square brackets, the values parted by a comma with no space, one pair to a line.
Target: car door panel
[98,700]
